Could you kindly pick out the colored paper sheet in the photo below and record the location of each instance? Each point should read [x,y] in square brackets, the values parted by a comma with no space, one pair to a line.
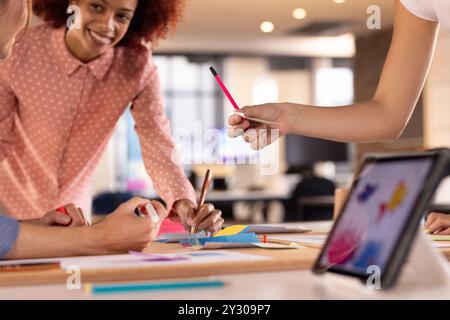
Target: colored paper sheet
[241,237]
[437,237]
[234,245]
[177,237]
[231,231]
[223,245]
[238,238]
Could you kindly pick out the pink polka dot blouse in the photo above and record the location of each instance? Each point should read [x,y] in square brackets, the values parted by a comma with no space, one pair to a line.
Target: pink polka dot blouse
[57,115]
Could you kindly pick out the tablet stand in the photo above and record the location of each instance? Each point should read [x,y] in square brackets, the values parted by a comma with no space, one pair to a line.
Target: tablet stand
[426,269]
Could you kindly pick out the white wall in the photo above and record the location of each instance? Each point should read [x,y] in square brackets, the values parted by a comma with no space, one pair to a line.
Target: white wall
[241,76]
[294,86]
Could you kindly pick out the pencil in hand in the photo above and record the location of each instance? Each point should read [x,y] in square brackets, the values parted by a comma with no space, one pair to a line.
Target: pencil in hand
[202,196]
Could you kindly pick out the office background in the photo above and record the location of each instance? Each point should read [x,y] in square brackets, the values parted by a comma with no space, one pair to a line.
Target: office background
[319,52]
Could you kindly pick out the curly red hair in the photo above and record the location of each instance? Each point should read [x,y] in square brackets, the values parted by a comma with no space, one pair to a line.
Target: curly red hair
[152,20]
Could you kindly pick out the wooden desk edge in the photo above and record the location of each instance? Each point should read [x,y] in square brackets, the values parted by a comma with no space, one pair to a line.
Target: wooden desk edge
[282,260]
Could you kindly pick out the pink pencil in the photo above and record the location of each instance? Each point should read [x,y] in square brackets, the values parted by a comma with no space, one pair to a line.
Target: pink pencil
[227,93]
[224,89]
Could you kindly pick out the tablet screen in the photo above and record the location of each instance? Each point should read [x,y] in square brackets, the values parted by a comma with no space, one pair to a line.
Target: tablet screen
[375,215]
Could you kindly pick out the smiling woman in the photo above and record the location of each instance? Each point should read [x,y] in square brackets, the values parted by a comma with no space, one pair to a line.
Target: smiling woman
[71,86]
[38,238]
[104,24]
[151,20]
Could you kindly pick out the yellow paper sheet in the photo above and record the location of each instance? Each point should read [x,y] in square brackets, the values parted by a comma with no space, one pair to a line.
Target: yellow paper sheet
[439,238]
[231,231]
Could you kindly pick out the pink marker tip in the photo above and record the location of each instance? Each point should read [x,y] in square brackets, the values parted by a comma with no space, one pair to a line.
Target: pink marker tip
[224,89]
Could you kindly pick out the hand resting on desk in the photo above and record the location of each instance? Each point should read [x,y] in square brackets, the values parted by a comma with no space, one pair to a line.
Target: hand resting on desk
[119,232]
[438,223]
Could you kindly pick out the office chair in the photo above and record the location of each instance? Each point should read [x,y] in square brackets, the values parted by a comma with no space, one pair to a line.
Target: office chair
[310,187]
[107,202]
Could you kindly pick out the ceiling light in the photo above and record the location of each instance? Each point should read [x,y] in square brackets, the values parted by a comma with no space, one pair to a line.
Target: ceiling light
[299,13]
[267,27]
[339,1]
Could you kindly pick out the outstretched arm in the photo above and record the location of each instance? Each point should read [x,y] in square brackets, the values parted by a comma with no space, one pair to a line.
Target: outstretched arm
[382,118]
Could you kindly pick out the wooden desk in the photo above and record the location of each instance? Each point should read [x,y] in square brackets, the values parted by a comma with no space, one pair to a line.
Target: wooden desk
[290,259]
[245,280]
[282,260]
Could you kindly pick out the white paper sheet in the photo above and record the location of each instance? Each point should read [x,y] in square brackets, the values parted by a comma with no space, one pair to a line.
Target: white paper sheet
[133,261]
[302,239]
[274,228]
[441,244]
[177,237]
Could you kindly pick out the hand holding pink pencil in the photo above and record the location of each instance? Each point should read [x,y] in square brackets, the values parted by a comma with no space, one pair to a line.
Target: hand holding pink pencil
[259,125]
[233,102]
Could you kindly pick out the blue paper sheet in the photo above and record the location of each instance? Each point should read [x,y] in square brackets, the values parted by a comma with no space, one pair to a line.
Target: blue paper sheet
[238,238]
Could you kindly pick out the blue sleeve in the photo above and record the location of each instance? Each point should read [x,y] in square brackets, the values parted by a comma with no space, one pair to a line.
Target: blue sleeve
[9,230]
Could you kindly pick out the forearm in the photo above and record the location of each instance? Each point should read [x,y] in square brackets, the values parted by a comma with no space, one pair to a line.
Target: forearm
[41,242]
[401,82]
[364,122]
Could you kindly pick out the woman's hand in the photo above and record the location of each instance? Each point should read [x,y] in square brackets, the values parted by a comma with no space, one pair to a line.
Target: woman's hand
[438,223]
[73,218]
[259,135]
[122,230]
[207,218]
